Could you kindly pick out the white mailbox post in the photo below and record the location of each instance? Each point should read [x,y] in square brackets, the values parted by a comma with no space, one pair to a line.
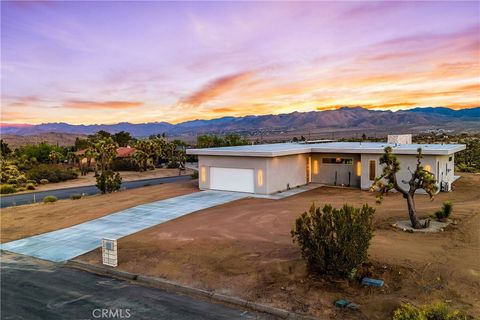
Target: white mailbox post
[109,252]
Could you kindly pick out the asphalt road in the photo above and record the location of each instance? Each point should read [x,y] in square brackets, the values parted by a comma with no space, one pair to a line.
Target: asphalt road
[27,198]
[35,289]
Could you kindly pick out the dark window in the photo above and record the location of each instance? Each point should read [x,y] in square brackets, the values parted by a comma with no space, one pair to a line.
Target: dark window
[450,159]
[372,172]
[337,161]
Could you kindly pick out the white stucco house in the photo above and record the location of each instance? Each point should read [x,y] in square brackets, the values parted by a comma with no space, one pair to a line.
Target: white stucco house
[271,168]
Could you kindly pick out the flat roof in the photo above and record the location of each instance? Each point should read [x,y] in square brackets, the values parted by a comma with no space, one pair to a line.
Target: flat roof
[285,149]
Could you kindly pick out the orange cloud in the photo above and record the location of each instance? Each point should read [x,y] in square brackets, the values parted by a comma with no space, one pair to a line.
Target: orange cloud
[222,110]
[216,88]
[86,105]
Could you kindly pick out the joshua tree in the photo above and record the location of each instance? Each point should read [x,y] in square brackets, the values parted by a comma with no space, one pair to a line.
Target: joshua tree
[147,152]
[104,150]
[54,156]
[421,179]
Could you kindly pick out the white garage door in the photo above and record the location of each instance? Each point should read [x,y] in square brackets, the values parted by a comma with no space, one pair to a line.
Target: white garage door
[232,179]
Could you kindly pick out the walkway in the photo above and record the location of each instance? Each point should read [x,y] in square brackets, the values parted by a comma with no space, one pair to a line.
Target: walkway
[65,244]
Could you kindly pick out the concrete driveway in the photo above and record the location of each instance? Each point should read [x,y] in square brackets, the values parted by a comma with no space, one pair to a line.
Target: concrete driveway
[65,244]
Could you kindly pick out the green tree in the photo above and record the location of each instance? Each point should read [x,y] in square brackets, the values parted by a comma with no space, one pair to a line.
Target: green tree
[420,179]
[81,144]
[41,152]
[4,148]
[123,138]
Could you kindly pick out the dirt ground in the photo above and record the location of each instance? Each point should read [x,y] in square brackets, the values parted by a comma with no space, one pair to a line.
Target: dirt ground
[244,249]
[90,179]
[28,220]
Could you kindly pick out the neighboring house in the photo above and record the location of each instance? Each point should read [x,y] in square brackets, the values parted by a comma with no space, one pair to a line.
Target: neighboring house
[122,153]
[270,168]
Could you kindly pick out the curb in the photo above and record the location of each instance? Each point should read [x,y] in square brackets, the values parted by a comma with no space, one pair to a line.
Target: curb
[177,288]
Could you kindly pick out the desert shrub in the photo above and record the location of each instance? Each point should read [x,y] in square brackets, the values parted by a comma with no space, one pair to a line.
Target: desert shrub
[44,181]
[434,311]
[407,312]
[109,181]
[52,173]
[21,179]
[75,196]
[31,181]
[21,189]
[124,164]
[334,241]
[12,181]
[7,188]
[194,175]
[49,199]
[30,186]
[445,211]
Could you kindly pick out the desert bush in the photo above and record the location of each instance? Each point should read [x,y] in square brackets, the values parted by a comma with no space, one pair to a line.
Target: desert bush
[407,312]
[434,311]
[7,188]
[44,181]
[52,173]
[12,181]
[31,181]
[30,186]
[122,164]
[21,179]
[21,189]
[445,211]
[109,181]
[194,175]
[334,241]
[49,199]
[75,196]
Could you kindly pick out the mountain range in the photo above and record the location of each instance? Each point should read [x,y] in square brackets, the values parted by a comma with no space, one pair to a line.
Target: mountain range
[342,119]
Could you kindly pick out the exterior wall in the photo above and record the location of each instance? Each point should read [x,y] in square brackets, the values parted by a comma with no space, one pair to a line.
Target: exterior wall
[444,169]
[232,162]
[287,170]
[345,173]
[407,161]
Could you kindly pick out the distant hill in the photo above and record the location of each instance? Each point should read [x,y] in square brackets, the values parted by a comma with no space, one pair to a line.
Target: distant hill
[342,119]
[62,139]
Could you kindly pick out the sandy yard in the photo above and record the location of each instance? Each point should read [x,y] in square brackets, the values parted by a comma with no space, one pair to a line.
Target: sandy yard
[244,249]
[28,220]
[90,179]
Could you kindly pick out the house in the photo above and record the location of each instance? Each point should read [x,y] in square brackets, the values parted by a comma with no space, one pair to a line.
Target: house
[123,153]
[270,168]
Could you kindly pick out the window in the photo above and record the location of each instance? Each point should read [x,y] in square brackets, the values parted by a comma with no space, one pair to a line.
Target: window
[372,168]
[337,161]
[450,158]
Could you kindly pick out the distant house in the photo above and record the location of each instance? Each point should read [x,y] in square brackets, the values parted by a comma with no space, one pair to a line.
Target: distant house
[270,168]
[123,153]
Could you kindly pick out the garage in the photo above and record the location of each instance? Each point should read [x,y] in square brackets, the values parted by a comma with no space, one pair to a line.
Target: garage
[232,179]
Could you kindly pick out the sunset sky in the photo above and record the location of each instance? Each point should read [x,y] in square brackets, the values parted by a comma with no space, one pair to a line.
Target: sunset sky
[109,62]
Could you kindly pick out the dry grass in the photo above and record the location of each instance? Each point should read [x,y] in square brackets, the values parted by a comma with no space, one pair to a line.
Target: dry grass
[28,220]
